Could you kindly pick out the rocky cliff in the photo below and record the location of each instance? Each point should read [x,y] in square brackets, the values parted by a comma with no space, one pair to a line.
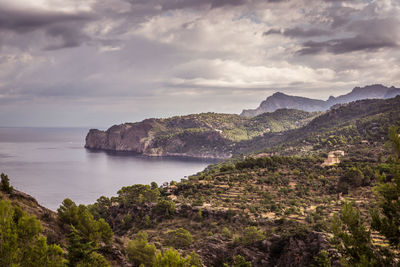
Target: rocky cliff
[206,135]
[281,100]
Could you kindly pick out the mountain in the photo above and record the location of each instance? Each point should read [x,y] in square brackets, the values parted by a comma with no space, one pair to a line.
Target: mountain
[341,126]
[273,207]
[281,100]
[205,135]
[281,207]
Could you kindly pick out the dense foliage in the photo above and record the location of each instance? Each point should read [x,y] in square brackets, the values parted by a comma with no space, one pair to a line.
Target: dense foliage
[86,234]
[21,241]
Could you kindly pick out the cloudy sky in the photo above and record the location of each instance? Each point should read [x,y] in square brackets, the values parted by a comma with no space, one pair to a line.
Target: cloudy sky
[96,63]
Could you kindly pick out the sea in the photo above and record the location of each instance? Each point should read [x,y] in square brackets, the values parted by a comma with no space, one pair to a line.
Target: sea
[51,164]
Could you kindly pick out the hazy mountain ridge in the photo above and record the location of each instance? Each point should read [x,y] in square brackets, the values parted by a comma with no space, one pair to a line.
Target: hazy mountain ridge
[350,123]
[280,100]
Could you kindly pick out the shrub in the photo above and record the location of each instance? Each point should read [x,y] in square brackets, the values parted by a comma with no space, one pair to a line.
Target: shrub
[179,238]
[21,242]
[83,221]
[82,252]
[251,235]
[240,261]
[139,251]
[171,257]
[165,208]
[226,233]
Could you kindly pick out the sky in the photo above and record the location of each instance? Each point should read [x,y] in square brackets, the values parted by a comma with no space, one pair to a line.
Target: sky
[95,63]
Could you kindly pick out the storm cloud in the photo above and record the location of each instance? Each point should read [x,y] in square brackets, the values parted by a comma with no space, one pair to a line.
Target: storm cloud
[97,63]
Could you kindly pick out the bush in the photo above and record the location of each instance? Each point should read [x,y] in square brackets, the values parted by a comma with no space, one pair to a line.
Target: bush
[251,235]
[83,221]
[138,194]
[140,251]
[240,261]
[226,233]
[179,238]
[172,257]
[21,242]
[352,177]
[165,208]
[82,252]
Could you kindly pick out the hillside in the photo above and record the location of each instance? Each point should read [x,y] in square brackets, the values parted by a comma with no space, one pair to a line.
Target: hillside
[272,211]
[205,135]
[340,127]
[287,205]
[281,100]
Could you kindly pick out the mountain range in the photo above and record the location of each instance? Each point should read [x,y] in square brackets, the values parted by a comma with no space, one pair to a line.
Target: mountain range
[213,135]
[280,100]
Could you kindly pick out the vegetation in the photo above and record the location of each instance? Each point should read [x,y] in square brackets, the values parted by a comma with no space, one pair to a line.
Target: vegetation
[139,251]
[179,238]
[86,234]
[386,219]
[21,241]
[277,207]
[352,238]
[5,184]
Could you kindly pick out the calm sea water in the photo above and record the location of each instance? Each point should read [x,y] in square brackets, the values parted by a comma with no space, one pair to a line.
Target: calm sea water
[51,164]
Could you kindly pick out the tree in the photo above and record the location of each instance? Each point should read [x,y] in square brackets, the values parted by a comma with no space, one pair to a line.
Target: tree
[386,219]
[353,240]
[322,259]
[394,140]
[179,238]
[240,261]
[84,222]
[139,251]
[251,235]
[165,208]
[352,177]
[82,253]
[172,258]
[5,184]
[21,242]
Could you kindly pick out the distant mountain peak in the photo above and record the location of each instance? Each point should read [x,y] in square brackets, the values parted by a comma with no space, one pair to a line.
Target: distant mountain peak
[280,100]
[277,94]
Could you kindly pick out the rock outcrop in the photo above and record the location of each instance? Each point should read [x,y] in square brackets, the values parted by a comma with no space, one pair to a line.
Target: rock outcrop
[206,135]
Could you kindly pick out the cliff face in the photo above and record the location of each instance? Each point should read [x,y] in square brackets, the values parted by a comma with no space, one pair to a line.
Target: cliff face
[149,138]
[207,135]
[280,100]
[124,137]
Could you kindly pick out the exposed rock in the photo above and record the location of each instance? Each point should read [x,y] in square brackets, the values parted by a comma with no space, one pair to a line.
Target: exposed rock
[206,135]
[297,250]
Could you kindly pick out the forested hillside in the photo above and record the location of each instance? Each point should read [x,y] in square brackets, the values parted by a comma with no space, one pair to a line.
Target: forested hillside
[326,194]
[205,135]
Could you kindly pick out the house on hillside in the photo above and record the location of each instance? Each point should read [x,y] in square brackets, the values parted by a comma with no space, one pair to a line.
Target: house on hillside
[333,158]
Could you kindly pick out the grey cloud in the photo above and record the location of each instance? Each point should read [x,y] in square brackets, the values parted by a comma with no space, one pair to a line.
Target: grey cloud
[346,45]
[29,20]
[183,4]
[370,34]
[67,27]
[273,31]
[69,37]
[299,32]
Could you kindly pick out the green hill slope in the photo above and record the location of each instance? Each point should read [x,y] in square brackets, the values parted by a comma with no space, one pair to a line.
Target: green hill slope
[198,135]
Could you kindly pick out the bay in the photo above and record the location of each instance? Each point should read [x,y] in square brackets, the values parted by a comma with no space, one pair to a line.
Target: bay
[51,164]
